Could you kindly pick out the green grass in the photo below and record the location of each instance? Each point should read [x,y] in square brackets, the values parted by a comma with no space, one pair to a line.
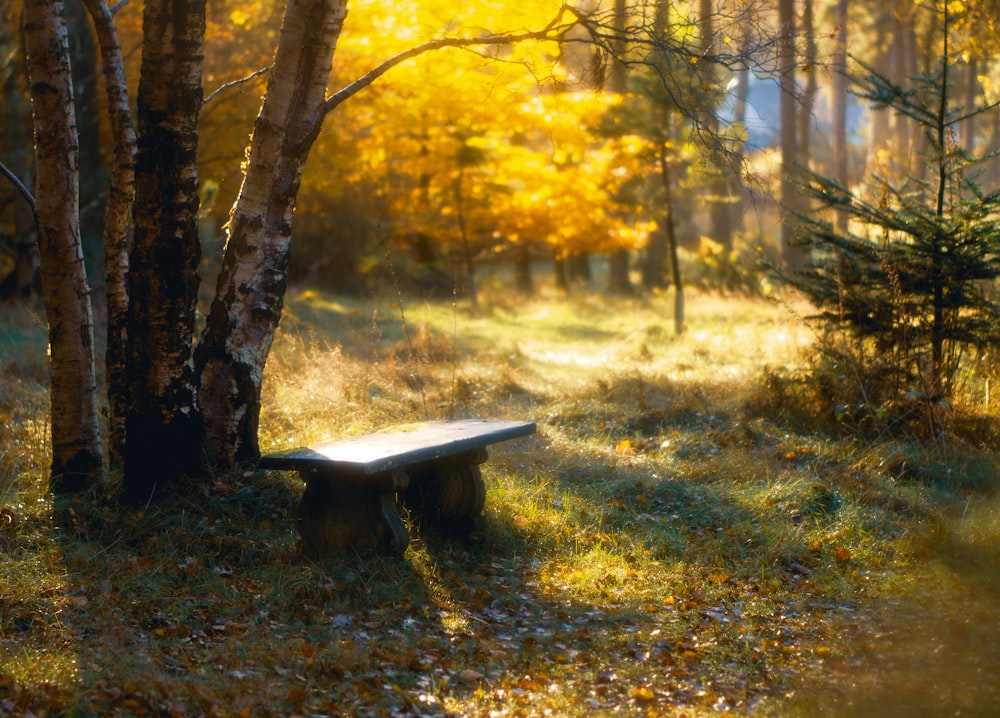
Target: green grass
[685,534]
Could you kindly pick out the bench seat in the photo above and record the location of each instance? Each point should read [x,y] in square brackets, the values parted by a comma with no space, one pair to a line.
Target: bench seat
[355,486]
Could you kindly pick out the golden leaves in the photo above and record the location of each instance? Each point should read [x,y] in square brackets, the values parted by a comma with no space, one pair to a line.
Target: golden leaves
[625,447]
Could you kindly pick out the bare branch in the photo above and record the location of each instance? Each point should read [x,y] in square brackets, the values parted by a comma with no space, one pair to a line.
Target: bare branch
[553,31]
[118,6]
[18,185]
[235,83]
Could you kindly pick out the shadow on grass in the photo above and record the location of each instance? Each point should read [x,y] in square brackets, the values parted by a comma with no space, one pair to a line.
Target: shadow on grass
[202,604]
[627,566]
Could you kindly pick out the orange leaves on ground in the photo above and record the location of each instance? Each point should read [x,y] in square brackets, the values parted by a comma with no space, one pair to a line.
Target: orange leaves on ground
[625,447]
[642,694]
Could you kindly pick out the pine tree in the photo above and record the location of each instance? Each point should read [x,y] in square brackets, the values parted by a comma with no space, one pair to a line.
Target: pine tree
[907,283]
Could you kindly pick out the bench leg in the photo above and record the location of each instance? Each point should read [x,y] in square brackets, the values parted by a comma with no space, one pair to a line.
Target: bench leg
[334,518]
[449,495]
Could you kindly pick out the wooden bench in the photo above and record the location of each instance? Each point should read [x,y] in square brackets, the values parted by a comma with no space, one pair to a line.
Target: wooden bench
[353,485]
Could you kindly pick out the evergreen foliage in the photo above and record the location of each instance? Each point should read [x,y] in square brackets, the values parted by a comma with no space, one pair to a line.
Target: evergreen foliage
[909,286]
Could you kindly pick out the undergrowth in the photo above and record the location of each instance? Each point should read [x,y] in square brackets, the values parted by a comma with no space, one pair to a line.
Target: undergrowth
[693,529]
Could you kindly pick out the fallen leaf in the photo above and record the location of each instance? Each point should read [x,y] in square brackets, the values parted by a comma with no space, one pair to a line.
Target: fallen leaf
[135,707]
[297,696]
[643,694]
[469,676]
[624,447]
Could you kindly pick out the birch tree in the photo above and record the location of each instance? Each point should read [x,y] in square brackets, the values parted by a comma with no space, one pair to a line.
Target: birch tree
[186,408]
[250,293]
[116,233]
[77,455]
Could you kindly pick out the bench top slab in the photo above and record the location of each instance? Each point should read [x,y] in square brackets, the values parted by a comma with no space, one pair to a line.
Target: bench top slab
[398,447]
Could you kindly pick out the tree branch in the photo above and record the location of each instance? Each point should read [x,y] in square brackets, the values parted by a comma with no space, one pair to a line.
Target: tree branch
[553,31]
[235,83]
[18,185]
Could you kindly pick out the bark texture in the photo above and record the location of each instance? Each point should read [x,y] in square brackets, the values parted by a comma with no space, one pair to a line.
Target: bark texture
[249,296]
[77,457]
[162,424]
[117,229]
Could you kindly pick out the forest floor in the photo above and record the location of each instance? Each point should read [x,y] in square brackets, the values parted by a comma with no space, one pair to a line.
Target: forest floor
[689,532]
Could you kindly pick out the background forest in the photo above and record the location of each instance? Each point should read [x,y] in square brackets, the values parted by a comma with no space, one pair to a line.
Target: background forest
[736,258]
[535,151]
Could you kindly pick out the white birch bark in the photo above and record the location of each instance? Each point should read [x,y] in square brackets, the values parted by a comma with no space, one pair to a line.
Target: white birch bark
[117,221]
[77,456]
[249,296]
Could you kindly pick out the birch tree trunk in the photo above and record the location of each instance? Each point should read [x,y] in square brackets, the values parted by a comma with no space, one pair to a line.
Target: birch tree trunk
[77,457]
[117,222]
[162,427]
[249,296]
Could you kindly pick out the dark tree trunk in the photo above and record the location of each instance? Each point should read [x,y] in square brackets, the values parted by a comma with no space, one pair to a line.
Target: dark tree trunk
[618,272]
[618,277]
[653,265]
[578,267]
[718,202]
[993,165]
[739,119]
[902,126]
[468,260]
[24,280]
[162,426]
[839,91]
[793,255]
[559,271]
[971,93]
[878,130]
[671,237]
[804,134]
[522,269]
